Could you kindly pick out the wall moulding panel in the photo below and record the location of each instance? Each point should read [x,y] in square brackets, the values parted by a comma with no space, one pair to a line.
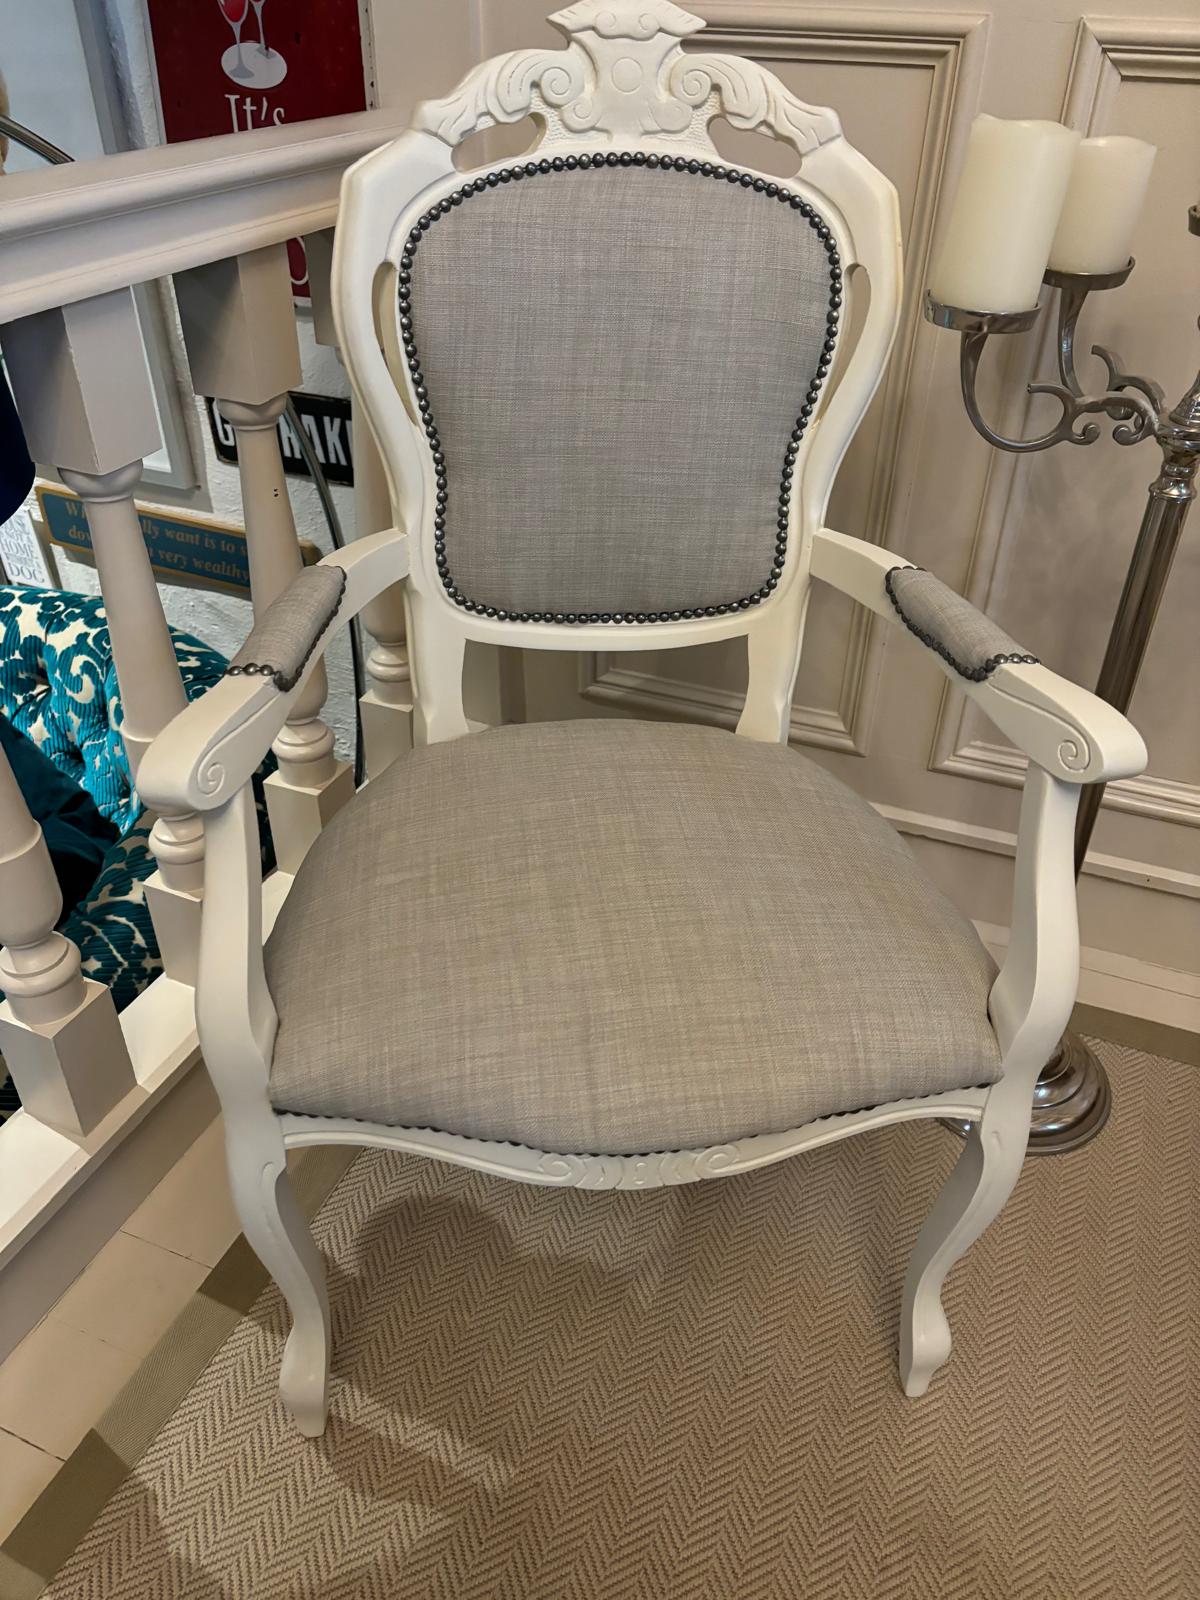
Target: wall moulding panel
[1001,842]
[947,49]
[1108,53]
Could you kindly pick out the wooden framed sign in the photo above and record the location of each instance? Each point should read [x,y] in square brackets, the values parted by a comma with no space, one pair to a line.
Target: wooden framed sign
[192,552]
[197,552]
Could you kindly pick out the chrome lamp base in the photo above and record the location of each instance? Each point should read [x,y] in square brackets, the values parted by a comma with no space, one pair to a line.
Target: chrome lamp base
[1071,1102]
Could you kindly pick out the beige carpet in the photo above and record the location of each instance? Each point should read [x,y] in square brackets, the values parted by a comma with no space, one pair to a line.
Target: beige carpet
[564,1396]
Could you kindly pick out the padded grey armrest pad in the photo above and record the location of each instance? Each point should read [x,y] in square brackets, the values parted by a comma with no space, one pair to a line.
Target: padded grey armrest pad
[286,635]
[952,626]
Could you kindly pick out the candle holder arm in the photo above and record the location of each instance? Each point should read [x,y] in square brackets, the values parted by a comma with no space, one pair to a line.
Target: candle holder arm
[1133,403]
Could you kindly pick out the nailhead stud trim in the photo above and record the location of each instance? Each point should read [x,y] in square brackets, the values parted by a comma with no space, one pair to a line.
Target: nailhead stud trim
[781,195]
[264,669]
[974,674]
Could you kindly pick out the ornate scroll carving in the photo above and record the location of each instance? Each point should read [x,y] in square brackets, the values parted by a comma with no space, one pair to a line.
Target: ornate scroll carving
[752,98]
[663,1168]
[624,74]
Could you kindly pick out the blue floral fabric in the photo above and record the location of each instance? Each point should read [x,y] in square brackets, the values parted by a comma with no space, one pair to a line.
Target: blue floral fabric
[58,686]
[112,926]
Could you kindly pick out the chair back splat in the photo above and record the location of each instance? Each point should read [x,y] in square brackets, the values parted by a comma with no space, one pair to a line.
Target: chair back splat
[600,373]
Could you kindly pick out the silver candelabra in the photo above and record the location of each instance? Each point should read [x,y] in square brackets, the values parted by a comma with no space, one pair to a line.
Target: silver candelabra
[1072,1099]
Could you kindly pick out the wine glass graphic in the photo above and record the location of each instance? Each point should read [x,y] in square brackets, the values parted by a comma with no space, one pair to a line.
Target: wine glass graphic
[233,62]
[262,67]
[263,46]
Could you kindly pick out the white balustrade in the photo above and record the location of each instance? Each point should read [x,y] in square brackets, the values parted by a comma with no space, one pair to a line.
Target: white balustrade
[59,1032]
[73,239]
[240,332]
[84,395]
[386,706]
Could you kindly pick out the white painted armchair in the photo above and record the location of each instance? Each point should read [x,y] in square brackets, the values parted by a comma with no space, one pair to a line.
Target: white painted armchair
[604,953]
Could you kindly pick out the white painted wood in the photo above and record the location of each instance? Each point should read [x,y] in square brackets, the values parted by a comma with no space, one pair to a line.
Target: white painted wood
[86,404]
[1001,842]
[1030,1003]
[211,749]
[243,350]
[79,378]
[622,83]
[61,1197]
[658,1169]
[107,1183]
[385,708]
[387,704]
[237,1023]
[1068,731]
[151,694]
[73,232]
[659,99]
[59,1033]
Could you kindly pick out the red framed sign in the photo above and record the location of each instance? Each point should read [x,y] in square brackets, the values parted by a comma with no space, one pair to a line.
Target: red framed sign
[229,66]
[226,66]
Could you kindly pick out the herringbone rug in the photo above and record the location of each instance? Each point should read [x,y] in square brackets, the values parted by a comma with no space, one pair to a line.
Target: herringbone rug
[692,1392]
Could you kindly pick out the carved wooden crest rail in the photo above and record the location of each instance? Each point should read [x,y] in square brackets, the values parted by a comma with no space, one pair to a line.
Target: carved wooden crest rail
[624,73]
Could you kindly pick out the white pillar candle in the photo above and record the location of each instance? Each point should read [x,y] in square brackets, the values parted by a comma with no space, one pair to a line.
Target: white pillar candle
[1004,215]
[1104,197]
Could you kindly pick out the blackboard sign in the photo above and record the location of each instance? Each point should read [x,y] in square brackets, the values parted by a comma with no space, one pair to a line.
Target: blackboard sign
[325,418]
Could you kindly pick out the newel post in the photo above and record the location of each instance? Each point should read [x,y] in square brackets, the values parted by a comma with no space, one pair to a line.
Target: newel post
[240,333]
[87,407]
[386,705]
[59,1032]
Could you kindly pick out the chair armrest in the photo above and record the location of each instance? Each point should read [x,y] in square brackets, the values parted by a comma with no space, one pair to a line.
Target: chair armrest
[282,641]
[1067,731]
[214,746]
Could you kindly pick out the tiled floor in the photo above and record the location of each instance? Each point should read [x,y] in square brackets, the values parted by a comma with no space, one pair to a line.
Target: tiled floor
[62,1377]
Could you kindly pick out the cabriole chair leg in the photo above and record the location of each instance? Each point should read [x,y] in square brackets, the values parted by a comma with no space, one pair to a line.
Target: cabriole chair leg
[973,1195]
[280,1237]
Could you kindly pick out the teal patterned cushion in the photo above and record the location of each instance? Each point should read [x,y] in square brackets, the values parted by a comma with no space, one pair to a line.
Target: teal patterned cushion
[112,926]
[58,685]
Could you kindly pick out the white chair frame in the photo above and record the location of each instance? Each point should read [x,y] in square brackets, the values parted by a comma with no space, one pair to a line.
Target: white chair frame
[623,84]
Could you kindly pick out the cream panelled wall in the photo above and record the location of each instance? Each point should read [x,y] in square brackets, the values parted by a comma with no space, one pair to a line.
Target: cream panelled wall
[1042,544]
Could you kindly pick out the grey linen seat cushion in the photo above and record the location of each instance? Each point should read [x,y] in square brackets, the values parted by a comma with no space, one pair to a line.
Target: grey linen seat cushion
[617,937]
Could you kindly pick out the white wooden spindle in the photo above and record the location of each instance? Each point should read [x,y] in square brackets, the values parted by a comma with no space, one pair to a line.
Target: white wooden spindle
[59,1032]
[386,706]
[240,333]
[83,392]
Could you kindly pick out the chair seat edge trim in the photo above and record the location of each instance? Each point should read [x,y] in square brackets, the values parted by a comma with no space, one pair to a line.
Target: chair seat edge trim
[653,1170]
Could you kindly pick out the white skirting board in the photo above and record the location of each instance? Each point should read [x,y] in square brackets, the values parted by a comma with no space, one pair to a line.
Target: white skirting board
[60,1201]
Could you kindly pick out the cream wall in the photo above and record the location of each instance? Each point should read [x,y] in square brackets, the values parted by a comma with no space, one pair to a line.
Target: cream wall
[1042,544]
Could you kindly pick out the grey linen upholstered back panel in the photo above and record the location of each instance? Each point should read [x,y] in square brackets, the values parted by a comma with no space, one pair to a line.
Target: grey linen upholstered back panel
[615,361]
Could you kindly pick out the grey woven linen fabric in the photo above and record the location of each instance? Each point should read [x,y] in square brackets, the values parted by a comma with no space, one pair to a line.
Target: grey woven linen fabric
[615,359]
[286,634]
[952,626]
[610,936]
